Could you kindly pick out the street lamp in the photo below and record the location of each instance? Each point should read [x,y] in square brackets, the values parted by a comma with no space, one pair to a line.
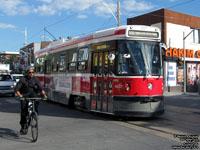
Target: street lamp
[184,38]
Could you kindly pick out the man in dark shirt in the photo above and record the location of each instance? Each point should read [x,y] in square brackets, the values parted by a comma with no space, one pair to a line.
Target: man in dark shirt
[28,87]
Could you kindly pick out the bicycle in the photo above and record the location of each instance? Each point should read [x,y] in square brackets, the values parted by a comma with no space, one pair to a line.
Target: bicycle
[32,118]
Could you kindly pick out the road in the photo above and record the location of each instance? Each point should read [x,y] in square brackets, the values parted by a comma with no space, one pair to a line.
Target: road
[67,129]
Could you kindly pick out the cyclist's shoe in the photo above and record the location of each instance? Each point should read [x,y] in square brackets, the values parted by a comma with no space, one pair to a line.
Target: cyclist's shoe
[23,130]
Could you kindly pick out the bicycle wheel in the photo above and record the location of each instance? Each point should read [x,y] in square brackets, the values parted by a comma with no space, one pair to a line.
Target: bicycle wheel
[34,126]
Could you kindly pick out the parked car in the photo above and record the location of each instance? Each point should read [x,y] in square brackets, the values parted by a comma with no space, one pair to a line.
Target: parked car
[6,84]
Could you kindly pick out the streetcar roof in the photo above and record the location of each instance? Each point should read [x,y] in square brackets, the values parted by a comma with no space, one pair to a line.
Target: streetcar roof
[106,35]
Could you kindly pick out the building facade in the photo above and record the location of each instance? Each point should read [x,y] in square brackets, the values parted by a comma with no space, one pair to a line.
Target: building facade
[27,53]
[181,34]
[11,58]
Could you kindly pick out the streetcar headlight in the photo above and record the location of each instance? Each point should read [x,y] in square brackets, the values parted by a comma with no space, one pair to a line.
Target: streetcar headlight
[127,86]
[150,86]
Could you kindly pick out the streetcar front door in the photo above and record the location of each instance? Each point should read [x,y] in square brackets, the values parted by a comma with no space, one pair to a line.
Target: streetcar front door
[102,83]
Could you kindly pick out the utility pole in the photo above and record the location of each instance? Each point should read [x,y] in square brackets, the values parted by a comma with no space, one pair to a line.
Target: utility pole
[118,13]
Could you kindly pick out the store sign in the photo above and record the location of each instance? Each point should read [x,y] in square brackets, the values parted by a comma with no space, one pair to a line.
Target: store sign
[170,73]
[177,52]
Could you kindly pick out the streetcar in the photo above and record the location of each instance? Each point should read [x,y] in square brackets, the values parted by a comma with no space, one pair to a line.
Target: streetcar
[116,71]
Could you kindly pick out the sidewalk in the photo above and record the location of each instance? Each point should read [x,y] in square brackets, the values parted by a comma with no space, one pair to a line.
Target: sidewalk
[181,93]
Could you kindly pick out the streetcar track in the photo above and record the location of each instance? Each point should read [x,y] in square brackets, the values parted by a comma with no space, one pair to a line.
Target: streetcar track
[166,125]
[148,130]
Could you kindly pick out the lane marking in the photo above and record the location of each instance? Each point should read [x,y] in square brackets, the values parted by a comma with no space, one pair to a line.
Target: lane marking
[12,101]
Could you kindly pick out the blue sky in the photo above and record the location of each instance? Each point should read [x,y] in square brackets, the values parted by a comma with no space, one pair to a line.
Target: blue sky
[63,18]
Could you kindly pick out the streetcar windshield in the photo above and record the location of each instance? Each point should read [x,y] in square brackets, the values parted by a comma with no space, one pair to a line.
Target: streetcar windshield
[139,58]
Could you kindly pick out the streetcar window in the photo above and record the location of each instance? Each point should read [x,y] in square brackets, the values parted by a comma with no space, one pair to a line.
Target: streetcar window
[83,54]
[40,64]
[56,63]
[82,59]
[139,58]
[37,66]
[52,62]
[72,63]
[74,58]
[72,66]
[62,62]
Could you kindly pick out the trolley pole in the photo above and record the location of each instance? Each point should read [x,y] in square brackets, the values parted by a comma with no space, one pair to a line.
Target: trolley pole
[118,13]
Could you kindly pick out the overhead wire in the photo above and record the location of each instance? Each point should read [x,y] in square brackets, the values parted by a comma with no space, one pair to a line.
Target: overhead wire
[180,4]
[99,28]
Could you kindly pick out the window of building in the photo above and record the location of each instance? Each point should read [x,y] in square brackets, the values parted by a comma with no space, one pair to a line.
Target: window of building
[196,36]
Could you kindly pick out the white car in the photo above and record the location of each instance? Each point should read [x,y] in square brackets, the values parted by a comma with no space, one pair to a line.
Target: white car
[6,84]
[16,77]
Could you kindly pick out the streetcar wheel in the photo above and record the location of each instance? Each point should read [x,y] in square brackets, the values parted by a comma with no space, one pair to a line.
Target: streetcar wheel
[34,127]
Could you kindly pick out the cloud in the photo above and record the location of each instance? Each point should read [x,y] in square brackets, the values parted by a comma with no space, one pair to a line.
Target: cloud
[134,6]
[14,7]
[82,16]
[45,1]
[6,26]
[57,7]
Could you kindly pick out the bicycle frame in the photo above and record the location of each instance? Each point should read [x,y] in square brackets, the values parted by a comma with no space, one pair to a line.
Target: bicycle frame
[32,118]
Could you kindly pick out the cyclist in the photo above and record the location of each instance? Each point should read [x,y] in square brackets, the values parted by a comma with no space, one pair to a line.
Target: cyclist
[28,86]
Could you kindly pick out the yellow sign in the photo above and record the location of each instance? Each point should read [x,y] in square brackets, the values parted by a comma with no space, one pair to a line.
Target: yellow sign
[101,46]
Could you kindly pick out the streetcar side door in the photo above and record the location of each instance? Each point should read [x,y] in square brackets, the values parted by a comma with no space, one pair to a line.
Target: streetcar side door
[101,83]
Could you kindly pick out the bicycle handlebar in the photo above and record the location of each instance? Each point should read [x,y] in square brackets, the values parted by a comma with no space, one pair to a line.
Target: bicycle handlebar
[36,98]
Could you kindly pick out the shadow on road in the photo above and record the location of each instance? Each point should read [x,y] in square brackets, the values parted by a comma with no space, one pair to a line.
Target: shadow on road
[46,108]
[12,135]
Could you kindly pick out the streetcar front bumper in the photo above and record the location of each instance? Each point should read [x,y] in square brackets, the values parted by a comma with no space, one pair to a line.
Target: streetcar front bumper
[135,106]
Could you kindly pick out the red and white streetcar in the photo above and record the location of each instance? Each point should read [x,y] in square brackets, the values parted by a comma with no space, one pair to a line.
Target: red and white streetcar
[116,71]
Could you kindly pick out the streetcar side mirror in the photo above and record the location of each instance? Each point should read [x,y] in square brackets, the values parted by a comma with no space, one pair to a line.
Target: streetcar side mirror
[127,56]
[111,56]
[162,45]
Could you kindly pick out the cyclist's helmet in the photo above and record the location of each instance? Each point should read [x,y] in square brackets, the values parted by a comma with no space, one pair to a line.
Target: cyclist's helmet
[29,68]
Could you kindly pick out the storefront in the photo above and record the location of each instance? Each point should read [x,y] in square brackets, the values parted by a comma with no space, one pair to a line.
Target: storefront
[174,69]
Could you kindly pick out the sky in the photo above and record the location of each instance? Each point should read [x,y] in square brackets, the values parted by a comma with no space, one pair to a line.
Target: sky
[64,18]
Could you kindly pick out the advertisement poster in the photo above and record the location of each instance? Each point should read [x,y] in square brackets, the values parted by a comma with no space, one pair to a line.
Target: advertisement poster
[180,75]
[171,73]
[192,73]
